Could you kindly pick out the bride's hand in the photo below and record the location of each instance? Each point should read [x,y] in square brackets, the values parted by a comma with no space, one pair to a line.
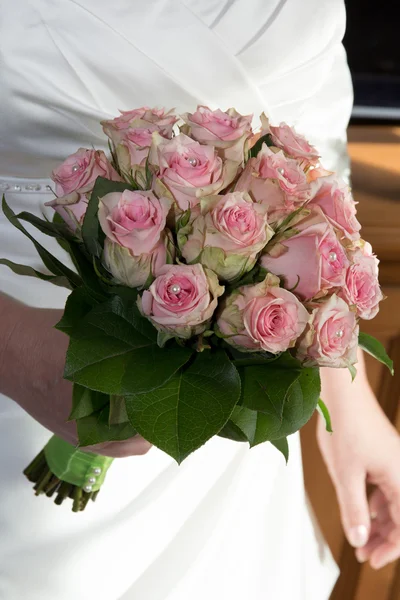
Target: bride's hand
[32,357]
[364,448]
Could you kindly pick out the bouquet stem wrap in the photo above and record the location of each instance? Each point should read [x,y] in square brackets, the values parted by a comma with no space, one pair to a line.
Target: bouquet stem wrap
[62,469]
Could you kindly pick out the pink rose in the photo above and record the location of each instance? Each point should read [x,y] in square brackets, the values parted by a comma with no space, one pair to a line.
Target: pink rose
[291,142]
[310,262]
[134,220]
[78,173]
[361,288]
[131,134]
[287,173]
[181,300]
[72,209]
[136,270]
[265,191]
[262,317]
[334,198]
[228,131]
[276,181]
[189,169]
[331,338]
[157,117]
[228,236]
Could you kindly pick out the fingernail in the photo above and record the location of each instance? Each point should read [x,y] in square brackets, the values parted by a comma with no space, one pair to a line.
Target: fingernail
[358,536]
[361,557]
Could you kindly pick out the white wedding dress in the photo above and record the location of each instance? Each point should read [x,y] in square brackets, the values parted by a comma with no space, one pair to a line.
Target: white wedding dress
[230,523]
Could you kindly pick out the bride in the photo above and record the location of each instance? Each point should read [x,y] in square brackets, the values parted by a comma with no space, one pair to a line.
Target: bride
[230,522]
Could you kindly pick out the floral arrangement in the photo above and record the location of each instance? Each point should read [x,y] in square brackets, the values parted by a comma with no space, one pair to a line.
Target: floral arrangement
[215,270]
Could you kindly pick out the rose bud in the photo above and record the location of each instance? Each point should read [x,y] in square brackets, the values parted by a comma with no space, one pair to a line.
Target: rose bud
[131,134]
[134,219]
[262,317]
[190,170]
[291,142]
[78,173]
[71,208]
[181,300]
[331,337]
[361,288]
[228,236]
[334,198]
[136,270]
[310,262]
[227,131]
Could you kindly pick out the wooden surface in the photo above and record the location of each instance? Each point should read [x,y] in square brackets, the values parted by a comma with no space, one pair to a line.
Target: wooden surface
[375,154]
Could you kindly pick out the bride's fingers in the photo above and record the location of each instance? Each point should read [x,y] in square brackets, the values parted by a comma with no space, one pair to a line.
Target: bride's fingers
[136,446]
[384,554]
[363,554]
[377,504]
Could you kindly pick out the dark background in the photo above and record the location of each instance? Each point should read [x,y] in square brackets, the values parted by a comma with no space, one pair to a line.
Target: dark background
[372,42]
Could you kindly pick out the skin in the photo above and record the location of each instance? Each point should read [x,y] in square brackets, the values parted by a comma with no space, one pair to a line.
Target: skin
[365,446]
[32,354]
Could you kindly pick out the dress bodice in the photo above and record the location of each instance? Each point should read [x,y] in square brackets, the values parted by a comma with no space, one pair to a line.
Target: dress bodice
[67,64]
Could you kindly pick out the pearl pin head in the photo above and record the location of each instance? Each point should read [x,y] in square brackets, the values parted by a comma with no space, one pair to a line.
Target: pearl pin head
[193,161]
[281,171]
[175,288]
[332,256]
[75,168]
[340,333]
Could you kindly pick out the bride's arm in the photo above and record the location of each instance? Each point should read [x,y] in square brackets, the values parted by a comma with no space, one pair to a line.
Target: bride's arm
[364,447]
[32,357]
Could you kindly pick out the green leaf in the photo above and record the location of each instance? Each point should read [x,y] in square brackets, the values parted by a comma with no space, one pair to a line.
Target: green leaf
[58,280]
[118,412]
[265,139]
[353,371]
[283,446]
[78,304]
[50,262]
[241,425]
[376,349]
[61,241]
[324,412]
[298,408]
[92,233]
[52,229]
[87,272]
[85,402]
[265,387]
[114,350]
[232,432]
[190,408]
[95,429]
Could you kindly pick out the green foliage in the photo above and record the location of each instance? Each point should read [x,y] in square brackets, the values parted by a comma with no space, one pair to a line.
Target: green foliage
[18,269]
[95,429]
[279,418]
[50,262]
[86,402]
[376,349]
[265,139]
[324,412]
[190,408]
[92,233]
[283,447]
[114,350]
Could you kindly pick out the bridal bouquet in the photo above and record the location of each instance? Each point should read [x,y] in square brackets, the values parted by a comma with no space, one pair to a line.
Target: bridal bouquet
[215,270]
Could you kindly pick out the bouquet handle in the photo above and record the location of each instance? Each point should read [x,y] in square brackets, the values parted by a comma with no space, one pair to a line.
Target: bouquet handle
[63,470]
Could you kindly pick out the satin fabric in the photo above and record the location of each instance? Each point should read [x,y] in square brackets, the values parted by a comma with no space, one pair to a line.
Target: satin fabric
[230,522]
